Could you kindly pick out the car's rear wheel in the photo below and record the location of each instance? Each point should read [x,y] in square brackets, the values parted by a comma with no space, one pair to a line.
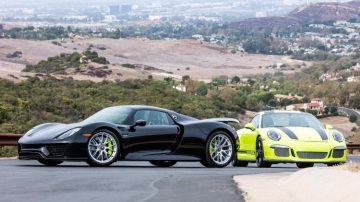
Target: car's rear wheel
[163,163]
[237,163]
[103,148]
[304,165]
[219,150]
[260,155]
[48,162]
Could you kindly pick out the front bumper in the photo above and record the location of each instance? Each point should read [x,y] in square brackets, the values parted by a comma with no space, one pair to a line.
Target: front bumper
[314,152]
[59,151]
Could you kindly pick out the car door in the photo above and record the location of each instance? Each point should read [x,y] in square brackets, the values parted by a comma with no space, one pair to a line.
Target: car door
[159,133]
[248,139]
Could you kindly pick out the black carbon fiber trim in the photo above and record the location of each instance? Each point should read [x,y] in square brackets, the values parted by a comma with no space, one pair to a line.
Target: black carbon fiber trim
[288,132]
[322,134]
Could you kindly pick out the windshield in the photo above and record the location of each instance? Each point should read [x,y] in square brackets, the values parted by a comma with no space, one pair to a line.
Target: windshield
[290,120]
[115,115]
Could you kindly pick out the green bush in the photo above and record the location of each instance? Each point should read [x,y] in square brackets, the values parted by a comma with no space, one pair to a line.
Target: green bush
[353,118]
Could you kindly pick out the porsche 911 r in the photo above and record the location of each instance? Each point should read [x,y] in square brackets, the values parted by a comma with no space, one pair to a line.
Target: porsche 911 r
[289,137]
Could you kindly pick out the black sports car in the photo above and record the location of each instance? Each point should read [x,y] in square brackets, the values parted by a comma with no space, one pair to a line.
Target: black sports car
[153,134]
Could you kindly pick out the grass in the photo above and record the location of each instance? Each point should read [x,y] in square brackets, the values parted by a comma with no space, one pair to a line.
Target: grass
[8,151]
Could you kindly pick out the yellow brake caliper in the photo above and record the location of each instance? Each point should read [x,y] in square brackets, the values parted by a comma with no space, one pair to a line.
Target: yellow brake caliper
[110,147]
[211,149]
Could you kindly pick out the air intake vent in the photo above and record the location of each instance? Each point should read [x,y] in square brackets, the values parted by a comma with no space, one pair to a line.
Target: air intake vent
[312,155]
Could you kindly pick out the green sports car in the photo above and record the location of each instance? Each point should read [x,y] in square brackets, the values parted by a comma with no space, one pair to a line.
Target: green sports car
[288,137]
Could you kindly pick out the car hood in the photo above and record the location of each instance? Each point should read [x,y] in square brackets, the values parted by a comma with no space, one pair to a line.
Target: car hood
[47,132]
[305,134]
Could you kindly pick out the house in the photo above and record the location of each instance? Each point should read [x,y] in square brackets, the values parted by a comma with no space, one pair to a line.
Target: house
[316,104]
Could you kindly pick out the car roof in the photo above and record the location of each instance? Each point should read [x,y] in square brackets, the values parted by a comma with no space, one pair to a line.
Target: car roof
[139,107]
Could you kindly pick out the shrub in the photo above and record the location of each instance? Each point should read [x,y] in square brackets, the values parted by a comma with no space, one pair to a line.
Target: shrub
[353,118]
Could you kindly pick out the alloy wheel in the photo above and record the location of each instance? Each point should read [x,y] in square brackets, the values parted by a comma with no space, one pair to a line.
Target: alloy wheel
[102,148]
[221,149]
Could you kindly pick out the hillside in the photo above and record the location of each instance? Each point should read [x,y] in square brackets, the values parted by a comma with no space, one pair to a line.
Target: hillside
[200,60]
[327,11]
[318,12]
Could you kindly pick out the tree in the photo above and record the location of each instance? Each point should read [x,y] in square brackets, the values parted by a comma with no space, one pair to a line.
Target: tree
[191,86]
[227,94]
[202,90]
[235,79]
[353,118]
[184,79]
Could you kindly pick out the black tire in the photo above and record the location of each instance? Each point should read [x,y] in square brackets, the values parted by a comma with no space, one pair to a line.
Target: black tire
[48,162]
[204,163]
[260,155]
[163,164]
[237,163]
[93,162]
[208,161]
[304,165]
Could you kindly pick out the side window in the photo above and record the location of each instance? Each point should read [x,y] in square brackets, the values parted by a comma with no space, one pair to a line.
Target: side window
[152,117]
[256,121]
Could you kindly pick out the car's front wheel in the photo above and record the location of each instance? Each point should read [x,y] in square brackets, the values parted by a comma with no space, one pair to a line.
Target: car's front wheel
[304,165]
[103,148]
[163,163]
[219,150]
[48,162]
[260,155]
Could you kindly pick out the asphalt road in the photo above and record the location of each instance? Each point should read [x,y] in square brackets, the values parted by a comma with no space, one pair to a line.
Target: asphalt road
[350,112]
[124,181]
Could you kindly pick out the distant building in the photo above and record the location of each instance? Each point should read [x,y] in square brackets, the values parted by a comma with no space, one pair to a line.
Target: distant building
[261,14]
[126,8]
[316,104]
[155,17]
[110,18]
[114,10]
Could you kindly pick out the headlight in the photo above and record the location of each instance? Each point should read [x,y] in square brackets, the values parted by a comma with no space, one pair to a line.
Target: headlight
[338,136]
[274,135]
[68,133]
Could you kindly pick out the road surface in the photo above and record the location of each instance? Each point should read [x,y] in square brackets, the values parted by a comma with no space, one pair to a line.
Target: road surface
[350,112]
[123,181]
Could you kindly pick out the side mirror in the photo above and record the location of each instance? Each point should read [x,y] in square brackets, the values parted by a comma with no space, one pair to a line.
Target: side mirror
[250,126]
[138,123]
[329,127]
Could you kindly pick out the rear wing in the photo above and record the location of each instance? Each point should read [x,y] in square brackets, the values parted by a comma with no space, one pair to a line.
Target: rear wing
[224,120]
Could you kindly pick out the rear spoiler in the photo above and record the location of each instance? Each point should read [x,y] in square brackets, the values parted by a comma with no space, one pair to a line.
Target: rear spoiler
[224,120]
